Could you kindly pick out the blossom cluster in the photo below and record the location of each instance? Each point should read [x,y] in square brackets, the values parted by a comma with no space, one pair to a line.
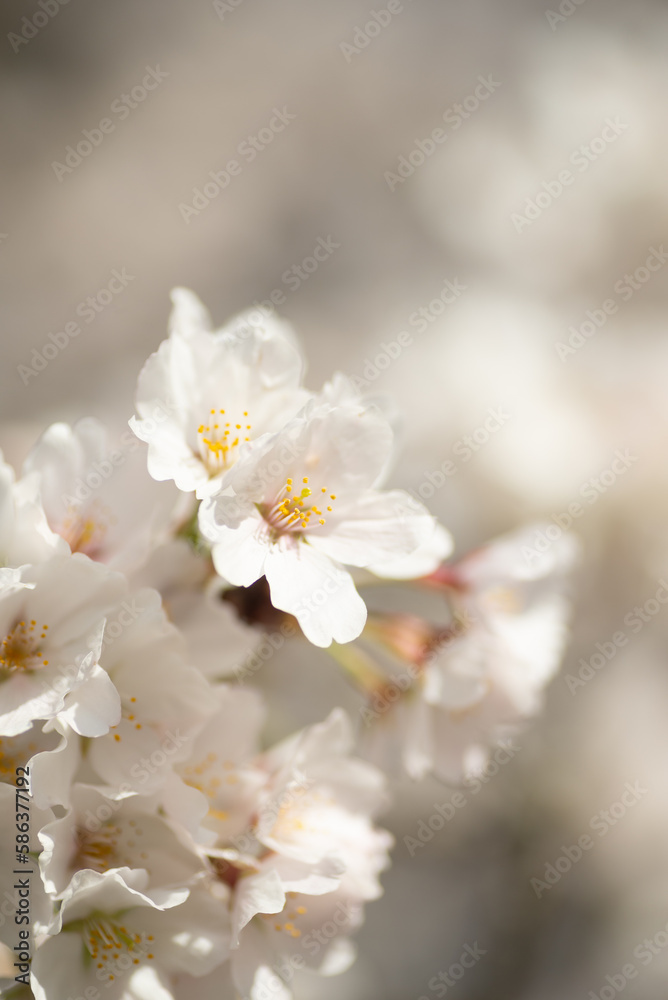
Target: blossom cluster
[177,855]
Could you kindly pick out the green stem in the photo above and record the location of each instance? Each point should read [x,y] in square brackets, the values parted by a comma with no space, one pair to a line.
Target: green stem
[357,666]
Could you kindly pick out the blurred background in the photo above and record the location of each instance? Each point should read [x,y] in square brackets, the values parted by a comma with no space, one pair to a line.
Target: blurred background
[489,181]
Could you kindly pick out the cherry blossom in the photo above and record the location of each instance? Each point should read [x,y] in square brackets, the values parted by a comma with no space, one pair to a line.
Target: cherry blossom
[302,503]
[205,394]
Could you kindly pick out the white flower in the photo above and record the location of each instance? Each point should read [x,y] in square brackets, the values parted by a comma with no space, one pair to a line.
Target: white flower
[164,702]
[320,802]
[517,598]
[203,395]
[302,853]
[100,832]
[112,932]
[51,634]
[96,492]
[51,751]
[481,677]
[307,932]
[302,502]
[218,641]
[25,536]
[222,781]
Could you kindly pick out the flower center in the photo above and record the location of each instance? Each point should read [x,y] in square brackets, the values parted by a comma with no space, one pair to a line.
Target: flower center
[210,776]
[302,810]
[84,531]
[294,510]
[504,600]
[219,440]
[96,850]
[14,752]
[128,715]
[111,846]
[114,948]
[285,922]
[21,649]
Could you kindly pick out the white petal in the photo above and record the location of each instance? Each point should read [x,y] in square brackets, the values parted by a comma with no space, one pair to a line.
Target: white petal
[516,556]
[318,592]
[239,554]
[188,315]
[147,984]
[94,706]
[251,968]
[379,528]
[52,772]
[187,806]
[193,937]
[261,893]
[424,560]
[58,972]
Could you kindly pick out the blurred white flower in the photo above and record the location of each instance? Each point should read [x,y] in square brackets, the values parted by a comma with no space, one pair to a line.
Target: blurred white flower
[164,701]
[112,931]
[218,642]
[478,679]
[100,832]
[97,494]
[292,837]
[52,627]
[324,859]
[25,535]
[51,750]
[221,780]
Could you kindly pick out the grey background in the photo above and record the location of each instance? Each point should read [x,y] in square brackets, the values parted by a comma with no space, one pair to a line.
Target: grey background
[452,219]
